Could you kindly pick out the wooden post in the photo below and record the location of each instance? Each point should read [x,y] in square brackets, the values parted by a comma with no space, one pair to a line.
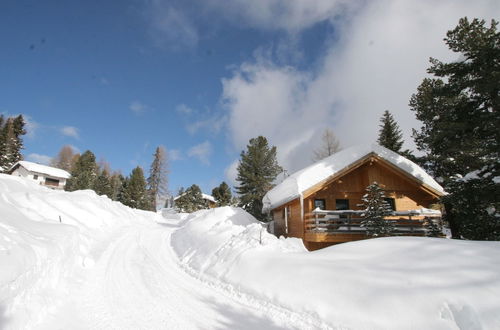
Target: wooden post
[349,215]
[316,220]
[60,220]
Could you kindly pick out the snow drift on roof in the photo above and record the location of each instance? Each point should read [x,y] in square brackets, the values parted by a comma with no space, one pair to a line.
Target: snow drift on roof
[43,169]
[297,183]
[204,196]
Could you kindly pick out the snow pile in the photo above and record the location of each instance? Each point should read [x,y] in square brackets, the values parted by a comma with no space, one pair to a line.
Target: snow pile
[384,283]
[38,252]
[297,183]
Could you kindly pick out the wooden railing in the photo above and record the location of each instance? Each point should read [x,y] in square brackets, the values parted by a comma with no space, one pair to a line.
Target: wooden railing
[349,222]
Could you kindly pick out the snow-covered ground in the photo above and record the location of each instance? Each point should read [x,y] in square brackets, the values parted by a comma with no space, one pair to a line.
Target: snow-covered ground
[80,261]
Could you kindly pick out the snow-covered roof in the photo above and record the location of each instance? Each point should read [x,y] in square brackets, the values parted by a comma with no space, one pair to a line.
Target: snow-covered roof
[204,196]
[43,169]
[294,185]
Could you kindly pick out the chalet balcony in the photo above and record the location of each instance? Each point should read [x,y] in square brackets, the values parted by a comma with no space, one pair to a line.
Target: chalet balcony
[345,226]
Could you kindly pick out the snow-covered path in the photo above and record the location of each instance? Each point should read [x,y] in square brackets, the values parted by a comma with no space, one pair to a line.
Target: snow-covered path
[138,283]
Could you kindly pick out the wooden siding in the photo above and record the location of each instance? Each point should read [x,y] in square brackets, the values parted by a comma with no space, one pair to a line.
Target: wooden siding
[295,224]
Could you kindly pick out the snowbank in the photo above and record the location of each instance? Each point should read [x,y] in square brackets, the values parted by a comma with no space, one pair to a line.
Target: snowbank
[44,235]
[385,283]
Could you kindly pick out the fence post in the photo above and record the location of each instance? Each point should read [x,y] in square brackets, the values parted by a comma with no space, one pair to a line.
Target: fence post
[316,220]
[349,215]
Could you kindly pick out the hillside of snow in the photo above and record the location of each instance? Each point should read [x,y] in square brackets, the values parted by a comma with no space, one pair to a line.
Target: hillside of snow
[81,261]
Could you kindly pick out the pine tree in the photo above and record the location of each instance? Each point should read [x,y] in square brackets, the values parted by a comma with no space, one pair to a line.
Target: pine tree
[458,109]
[116,182]
[102,185]
[257,171]
[134,193]
[191,200]
[11,142]
[158,180]
[222,194]
[390,135]
[330,145]
[84,173]
[375,210]
[65,159]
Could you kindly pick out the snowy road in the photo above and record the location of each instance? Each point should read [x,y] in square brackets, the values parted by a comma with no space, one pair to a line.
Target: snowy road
[138,283]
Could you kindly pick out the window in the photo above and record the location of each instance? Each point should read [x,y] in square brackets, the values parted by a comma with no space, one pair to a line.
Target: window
[320,203]
[391,202]
[342,204]
[35,176]
[51,182]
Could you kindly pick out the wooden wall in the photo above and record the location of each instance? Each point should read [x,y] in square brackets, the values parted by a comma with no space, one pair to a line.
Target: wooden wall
[295,224]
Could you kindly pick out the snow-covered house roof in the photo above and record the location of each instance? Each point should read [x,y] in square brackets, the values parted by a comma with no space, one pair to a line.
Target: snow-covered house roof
[43,169]
[204,196]
[294,185]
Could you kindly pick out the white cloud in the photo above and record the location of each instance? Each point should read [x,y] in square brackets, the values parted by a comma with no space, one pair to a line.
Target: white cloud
[290,15]
[201,151]
[138,107]
[70,131]
[175,154]
[378,61]
[40,159]
[231,173]
[184,109]
[213,125]
[170,27]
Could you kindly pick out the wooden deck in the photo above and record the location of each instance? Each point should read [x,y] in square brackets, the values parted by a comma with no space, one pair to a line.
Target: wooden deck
[345,226]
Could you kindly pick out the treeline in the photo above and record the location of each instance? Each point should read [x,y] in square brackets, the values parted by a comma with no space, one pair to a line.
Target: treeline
[135,190]
[11,142]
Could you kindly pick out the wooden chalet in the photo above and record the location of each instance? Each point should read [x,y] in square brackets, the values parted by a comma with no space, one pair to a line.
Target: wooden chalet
[320,203]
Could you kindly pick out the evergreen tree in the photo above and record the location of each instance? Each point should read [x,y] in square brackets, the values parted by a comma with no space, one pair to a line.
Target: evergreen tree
[65,159]
[432,227]
[11,142]
[102,185]
[191,200]
[375,211]
[84,173]
[390,135]
[458,109]
[330,145]
[222,194]
[257,171]
[134,193]
[116,182]
[158,180]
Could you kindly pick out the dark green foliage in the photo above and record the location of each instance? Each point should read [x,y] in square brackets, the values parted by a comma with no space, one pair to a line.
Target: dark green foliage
[433,227]
[134,193]
[375,211]
[11,143]
[460,128]
[390,135]
[191,200]
[157,180]
[222,194]
[257,171]
[84,173]
[102,185]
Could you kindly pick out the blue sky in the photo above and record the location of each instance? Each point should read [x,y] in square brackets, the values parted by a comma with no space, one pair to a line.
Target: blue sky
[202,77]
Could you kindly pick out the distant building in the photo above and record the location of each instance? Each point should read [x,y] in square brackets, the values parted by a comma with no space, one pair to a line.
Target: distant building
[209,200]
[50,177]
